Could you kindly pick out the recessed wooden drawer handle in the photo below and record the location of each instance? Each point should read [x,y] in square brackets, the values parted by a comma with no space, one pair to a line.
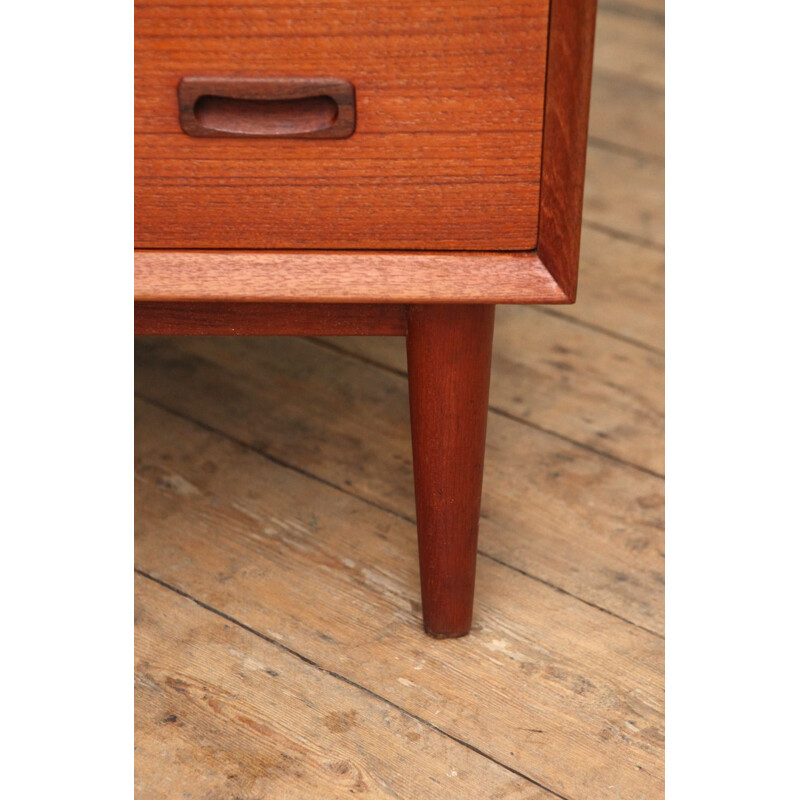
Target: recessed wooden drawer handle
[290,108]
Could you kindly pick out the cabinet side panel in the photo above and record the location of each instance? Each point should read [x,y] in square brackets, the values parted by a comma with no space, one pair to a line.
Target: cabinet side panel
[566,121]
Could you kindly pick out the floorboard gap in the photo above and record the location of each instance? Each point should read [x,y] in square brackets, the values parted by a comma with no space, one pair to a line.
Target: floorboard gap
[627,78]
[556,312]
[348,681]
[623,150]
[623,236]
[570,594]
[495,410]
[629,10]
[311,476]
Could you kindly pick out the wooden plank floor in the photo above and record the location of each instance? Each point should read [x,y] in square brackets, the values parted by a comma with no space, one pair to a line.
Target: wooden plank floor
[279,651]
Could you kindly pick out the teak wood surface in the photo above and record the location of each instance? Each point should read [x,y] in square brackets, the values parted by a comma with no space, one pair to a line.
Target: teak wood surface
[402,277]
[447,411]
[344,277]
[569,73]
[270,319]
[449,360]
[287,461]
[446,151]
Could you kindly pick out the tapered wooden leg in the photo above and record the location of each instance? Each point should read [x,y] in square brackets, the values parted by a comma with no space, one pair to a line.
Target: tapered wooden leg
[449,357]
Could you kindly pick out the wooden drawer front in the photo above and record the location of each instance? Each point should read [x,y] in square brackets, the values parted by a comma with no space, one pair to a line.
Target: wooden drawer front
[447,145]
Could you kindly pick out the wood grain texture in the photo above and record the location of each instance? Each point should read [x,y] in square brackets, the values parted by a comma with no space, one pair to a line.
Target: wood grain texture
[270,319]
[622,292]
[625,194]
[449,360]
[569,697]
[606,395]
[631,47]
[600,392]
[627,114]
[446,150]
[563,514]
[333,277]
[340,419]
[569,71]
[221,713]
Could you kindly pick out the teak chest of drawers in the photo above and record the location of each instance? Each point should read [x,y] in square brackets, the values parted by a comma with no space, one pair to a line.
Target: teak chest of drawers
[357,168]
